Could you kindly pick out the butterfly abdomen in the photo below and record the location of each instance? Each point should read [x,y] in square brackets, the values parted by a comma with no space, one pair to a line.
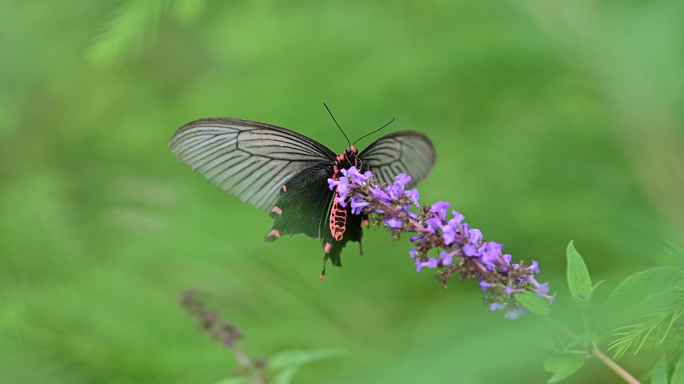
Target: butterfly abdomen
[338,220]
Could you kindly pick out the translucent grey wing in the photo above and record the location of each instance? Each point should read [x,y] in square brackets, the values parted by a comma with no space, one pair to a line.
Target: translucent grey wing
[247,159]
[406,152]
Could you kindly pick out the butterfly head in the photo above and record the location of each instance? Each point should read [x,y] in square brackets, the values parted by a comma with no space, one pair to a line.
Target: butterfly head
[351,150]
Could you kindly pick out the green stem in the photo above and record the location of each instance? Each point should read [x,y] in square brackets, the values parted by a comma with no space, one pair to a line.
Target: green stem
[614,366]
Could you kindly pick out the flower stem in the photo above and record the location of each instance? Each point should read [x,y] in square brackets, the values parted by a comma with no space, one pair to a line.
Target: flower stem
[614,366]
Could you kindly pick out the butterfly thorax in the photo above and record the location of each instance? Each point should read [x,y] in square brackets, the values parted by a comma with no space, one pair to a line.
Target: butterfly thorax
[338,213]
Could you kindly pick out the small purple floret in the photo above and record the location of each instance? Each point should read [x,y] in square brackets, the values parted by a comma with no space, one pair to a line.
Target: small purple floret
[402,179]
[439,209]
[358,204]
[534,267]
[393,222]
[413,195]
[542,289]
[446,257]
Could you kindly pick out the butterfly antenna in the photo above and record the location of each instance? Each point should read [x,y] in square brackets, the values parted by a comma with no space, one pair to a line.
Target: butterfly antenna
[338,126]
[377,130]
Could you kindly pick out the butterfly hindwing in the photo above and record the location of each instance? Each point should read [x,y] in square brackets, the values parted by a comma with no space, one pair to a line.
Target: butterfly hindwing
[406,152]
[303,205]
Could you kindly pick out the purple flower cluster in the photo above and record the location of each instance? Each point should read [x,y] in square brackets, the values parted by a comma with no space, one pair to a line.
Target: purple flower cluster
[461,249]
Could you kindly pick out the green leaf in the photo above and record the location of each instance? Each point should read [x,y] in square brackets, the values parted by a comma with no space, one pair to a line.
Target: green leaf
[285,376]
[563,366]
[660,372]
[579,280]
[590,337]
[641,294]
[296,357]
[678,373]
[533,303]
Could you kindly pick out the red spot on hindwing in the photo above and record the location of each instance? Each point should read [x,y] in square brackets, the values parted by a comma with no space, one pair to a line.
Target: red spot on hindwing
[284,188]
[274,232]
[277,210]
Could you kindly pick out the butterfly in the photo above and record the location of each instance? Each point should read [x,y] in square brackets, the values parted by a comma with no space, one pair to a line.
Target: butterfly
[285,174]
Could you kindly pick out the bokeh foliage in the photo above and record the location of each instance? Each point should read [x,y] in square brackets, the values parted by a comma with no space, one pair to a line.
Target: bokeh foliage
[552,121]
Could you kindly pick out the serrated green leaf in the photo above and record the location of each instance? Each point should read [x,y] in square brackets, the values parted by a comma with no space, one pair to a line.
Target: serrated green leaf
[591,337]
[642,293]
[563,366]
[579,280]
[533,303]
[296,357]
[678,373]
[660,372]
[285,376]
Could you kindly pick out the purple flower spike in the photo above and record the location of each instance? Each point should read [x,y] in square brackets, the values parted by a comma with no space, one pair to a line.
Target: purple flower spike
[462,250]
[402,179]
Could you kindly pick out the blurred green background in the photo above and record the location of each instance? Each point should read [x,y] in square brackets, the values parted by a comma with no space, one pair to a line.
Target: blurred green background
[552,120]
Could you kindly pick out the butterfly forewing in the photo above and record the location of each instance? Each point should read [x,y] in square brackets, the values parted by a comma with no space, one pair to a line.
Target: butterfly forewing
[406,152]
[247,159]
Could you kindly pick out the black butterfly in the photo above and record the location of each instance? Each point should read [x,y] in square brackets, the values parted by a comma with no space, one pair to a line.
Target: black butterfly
[285,174]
